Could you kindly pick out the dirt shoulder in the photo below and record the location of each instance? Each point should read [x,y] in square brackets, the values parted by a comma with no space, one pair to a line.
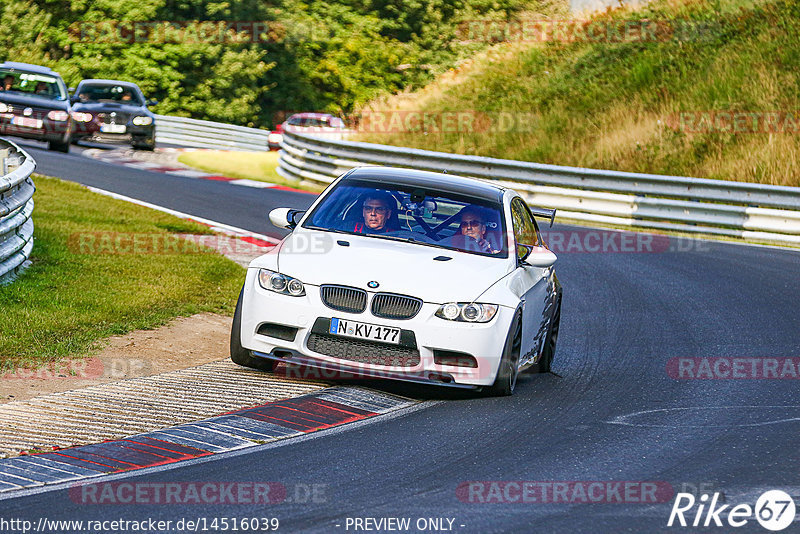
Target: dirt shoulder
[185,342]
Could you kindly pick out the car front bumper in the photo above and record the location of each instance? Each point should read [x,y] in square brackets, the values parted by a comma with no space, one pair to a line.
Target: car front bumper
[140,134]
[58,131]
[421,336]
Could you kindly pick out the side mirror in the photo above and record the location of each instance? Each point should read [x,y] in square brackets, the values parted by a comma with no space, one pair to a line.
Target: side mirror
[535,256]
[285,217]
[152,102]
[70,89]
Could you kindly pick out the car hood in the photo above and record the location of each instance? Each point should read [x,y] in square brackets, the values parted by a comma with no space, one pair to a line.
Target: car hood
[317,258]
[17,99]
[97,107]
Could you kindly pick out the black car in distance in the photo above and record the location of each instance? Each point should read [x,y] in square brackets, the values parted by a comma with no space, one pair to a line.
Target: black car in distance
[34,104]
[118,112]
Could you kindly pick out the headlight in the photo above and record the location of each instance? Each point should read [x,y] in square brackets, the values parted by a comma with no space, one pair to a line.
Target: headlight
[82,117]
[274,138]
[470,312]
[280,283]
[3,108]
[58,115]
[142,121]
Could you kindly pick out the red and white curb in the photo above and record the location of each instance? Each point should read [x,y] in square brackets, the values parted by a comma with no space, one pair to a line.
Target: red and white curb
[115,158]
[239,429]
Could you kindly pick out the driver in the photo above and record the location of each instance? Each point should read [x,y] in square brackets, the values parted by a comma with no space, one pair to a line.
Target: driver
[377,211]
[473,224]
[8,82]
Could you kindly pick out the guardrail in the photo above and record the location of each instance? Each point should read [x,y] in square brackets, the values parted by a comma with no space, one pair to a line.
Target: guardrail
[16,208]
[208,134]
[693,205]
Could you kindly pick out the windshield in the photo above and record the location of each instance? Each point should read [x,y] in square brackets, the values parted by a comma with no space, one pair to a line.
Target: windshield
[32,84]
[121,94]
[406,213]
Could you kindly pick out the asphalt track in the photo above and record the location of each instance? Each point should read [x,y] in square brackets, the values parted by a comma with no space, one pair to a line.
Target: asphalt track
[625,315]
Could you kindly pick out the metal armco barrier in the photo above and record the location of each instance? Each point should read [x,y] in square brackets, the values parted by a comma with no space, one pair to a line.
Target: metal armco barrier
[16,208]
[208,134]
[695,205]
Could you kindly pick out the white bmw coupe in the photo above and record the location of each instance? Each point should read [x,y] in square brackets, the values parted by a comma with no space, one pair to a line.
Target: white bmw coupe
[405,275]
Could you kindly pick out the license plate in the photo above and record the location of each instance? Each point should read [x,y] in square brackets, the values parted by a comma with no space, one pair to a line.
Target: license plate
[27,122]
[372,332]
[112,128]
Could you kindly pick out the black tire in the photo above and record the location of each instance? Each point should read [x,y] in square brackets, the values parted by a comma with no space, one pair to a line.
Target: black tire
[149,148]
[507,373]
[240,355]
[549,351]
[58,147]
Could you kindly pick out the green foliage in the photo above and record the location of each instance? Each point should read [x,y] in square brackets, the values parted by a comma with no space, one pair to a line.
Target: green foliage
[616,105]
[321,55]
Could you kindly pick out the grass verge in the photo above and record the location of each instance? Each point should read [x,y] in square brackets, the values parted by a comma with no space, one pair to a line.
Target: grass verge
[260,166]
[75,295]
[662,105]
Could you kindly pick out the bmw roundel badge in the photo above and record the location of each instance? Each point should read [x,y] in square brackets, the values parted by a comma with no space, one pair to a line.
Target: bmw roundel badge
[373,284]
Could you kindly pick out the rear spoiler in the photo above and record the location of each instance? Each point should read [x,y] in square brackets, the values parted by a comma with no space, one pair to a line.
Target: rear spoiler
[545,214]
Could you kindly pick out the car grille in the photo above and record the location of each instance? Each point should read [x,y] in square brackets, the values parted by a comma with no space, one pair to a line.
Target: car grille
[362,351]
[391,306]
[342,298]
[119,118]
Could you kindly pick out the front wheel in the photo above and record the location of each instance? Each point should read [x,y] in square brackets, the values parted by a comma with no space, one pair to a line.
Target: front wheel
[239,354]
[549,351]
[507,373]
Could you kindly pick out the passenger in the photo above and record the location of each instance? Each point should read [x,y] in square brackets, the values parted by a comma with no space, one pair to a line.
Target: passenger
[126,96]
[473,224]
[41,88]
[8,82]
[377,212]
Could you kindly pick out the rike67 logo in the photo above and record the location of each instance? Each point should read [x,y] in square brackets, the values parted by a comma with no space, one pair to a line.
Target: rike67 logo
[774,510]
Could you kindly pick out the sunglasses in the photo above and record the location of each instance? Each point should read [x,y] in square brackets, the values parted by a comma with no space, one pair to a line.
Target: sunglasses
[466,224]
[375,209]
